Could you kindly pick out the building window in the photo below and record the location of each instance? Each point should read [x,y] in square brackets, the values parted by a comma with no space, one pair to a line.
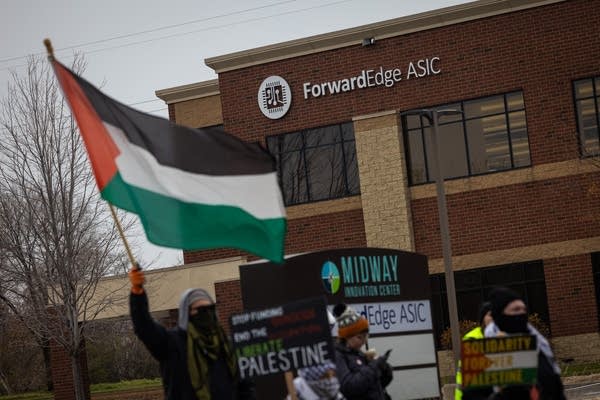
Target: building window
[473,287]
[587,108]
[596,272]
[489,136]
[316,164]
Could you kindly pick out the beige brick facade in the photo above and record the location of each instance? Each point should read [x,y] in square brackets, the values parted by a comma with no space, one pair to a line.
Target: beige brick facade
[579,349]
[195,105]
[201,112]
[383,181]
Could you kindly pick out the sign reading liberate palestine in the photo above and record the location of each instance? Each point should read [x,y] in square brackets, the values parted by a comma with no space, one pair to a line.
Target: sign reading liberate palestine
[282,338]
[373,77]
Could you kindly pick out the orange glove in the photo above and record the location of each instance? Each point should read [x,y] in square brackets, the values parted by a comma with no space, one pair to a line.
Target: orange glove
[136,277]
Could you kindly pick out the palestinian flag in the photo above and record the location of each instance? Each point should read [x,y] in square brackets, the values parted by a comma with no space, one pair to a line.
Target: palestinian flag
[192,188]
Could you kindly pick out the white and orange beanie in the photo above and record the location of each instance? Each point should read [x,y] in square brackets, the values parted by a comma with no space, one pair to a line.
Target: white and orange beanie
[349,322]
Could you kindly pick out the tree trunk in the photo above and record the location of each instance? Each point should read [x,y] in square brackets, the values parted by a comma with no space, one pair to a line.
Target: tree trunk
[4,388]
[78,384]
[46,351]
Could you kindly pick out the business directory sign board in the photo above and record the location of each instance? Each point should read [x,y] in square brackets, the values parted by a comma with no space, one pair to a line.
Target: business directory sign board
[390,287]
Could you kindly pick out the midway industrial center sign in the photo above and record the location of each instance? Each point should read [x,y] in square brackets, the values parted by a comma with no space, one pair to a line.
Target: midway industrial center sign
[389,287]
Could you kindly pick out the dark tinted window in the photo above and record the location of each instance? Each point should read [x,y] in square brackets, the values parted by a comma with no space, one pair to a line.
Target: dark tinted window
[473,287]
[587,98]
[316,164]
[490,135]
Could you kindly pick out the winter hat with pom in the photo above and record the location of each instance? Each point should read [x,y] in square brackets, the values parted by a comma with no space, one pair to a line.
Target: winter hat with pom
[349,322]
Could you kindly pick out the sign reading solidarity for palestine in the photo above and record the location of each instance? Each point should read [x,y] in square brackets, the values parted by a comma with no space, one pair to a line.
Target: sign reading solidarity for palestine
[280,339]
[510,360]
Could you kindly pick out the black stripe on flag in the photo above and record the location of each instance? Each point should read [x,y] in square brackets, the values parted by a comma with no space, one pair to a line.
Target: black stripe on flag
[210,151]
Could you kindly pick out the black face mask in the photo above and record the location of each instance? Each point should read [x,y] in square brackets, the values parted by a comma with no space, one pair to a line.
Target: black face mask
[512,323]
[205,319]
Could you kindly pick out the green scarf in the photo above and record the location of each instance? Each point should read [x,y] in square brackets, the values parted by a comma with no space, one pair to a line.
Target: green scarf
[203,346]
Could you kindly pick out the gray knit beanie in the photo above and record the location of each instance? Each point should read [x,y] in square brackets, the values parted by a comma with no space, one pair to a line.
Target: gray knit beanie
[188,297]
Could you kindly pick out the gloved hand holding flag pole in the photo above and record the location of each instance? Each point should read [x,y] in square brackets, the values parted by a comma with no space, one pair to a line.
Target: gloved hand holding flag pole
[193,189]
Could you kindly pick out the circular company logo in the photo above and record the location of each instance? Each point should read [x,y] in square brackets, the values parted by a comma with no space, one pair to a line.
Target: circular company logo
[331,277]
[274,97]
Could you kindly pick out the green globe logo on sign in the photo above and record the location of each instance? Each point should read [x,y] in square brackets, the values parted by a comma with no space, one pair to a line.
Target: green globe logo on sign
[274,97]
[331,277]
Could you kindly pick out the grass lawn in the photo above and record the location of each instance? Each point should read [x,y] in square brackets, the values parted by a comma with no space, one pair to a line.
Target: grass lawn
[579,369]
[137,384]
[140,384]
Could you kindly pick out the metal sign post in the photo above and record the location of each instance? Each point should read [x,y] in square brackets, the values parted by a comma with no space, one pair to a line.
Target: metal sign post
[432,116]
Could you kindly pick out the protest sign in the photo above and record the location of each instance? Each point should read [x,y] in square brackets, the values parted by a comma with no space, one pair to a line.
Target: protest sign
[509,360]
[279,339]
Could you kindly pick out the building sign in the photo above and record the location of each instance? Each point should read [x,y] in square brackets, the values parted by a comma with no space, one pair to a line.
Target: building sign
[375,275]
[510,360]
[401,316]
[352,276]
[275,94]
[283,338]
[274,97]
[373,77]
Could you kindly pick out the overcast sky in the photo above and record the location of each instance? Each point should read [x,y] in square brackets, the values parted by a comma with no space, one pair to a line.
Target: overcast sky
[135,47]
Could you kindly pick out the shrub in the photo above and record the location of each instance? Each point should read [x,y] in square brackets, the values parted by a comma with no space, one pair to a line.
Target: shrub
[466,325]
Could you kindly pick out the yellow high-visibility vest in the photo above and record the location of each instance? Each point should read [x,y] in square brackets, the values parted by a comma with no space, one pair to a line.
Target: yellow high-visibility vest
[473,334]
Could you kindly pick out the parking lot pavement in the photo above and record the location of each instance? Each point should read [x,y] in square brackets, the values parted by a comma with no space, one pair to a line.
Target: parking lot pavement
[583,391]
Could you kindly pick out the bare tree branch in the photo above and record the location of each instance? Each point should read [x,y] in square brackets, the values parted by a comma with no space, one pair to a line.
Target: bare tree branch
[56,235]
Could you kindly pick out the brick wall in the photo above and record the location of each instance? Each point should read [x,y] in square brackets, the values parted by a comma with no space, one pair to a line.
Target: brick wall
[205,255]
[526,214]
[60,360]
[571,299]
[229,301]
[62,373]
[328,231]
[172,112]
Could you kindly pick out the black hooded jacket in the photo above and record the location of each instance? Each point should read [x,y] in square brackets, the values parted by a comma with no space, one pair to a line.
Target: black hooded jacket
[169,347]
[360,378]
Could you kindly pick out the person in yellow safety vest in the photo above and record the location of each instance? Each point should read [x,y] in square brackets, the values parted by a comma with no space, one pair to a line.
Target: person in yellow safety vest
[485,317]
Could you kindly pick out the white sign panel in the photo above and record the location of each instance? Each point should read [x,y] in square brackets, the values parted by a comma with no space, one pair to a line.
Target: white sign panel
[399,316]
[407,350]
[418,383]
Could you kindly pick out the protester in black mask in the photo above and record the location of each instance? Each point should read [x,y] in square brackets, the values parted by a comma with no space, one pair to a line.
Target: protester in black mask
[510,318]
[196,359]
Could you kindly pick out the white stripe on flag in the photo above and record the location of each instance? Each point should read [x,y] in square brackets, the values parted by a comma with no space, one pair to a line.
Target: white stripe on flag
[256,194]
[518,359]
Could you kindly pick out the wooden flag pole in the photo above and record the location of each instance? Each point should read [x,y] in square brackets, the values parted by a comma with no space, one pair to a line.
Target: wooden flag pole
[49,48]
[289,383]
[134,263]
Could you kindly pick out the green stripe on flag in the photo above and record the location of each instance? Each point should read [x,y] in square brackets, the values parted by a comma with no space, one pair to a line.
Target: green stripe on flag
[166,222]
